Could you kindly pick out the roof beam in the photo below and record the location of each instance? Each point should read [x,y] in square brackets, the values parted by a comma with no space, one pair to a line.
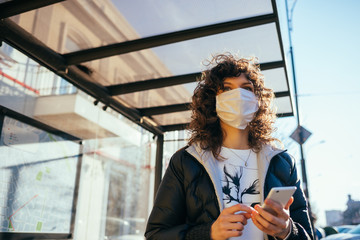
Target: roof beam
[14,7]
[280,115]
[170,81]
[152,84]
[282,94]
[35,49]
[164,109]
[163,39]
[183,126]
[174,127]
[272,65]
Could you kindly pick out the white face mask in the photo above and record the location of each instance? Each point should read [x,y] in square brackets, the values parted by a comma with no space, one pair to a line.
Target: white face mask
[237,107]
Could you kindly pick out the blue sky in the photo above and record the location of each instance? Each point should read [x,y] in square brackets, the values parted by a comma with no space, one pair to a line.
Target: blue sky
[326,41]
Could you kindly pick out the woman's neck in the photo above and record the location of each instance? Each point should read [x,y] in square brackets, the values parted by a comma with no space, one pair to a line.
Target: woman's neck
[235,138]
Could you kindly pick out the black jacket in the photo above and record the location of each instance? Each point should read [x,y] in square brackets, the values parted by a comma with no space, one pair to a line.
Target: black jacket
[186,203]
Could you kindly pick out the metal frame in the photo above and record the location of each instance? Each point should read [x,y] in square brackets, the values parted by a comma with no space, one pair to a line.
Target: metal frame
[273,3]
[175,127]
[14,7]
[152,84]
[64,65]
[164,109]
[34,236]
[27,120]
[32,47]
[159,161]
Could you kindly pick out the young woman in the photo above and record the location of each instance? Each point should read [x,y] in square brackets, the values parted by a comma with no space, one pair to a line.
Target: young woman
[214,187]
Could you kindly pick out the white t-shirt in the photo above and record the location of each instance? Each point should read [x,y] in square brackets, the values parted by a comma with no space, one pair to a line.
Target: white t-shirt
[240,184]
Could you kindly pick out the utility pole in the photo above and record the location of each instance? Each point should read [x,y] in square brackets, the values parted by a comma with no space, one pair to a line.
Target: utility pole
[302,133]
[301,137]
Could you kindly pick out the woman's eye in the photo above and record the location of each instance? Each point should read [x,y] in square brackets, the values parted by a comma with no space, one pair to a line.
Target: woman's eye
[227,89]
[249,89]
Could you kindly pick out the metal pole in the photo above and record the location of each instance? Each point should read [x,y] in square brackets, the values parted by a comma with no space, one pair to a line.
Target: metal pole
[158,163]
[303,166]
[301,137]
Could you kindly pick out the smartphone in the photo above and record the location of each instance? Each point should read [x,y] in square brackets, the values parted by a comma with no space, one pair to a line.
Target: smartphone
[279,194]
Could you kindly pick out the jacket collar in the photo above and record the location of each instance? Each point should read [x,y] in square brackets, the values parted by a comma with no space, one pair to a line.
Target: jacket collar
[209,162]
[267,152]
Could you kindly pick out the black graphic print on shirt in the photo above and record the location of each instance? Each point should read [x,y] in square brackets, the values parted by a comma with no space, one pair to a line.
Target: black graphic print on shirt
[233,188]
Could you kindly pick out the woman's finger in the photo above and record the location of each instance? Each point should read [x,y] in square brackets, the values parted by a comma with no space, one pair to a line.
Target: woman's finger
[236,218]
[234,226]
[237,208]
[231,233]
[256,218]
[274,220]
[277,227]
[278,208]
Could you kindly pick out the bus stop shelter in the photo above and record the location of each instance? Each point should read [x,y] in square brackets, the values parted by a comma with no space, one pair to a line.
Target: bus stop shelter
[162,46]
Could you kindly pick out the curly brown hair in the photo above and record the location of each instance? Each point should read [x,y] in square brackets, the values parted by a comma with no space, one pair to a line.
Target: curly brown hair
[205,124]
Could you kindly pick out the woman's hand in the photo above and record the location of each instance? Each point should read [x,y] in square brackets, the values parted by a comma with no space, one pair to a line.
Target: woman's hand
[230,223]
[278,224]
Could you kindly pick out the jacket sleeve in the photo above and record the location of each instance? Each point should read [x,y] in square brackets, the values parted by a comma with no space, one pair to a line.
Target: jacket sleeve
[168,217]
[300,220]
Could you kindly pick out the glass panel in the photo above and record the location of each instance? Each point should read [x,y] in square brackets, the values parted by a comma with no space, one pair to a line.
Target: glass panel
[173,141]
[160,97]
[150,17]
[37,183]
[283,105]
[173,118]
[276,79]
[116,187]
[137,66]
[116,183]
[96,23]
[188,56]
[23,81]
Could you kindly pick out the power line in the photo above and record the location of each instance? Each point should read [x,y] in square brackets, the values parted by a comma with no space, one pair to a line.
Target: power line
[327,94]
